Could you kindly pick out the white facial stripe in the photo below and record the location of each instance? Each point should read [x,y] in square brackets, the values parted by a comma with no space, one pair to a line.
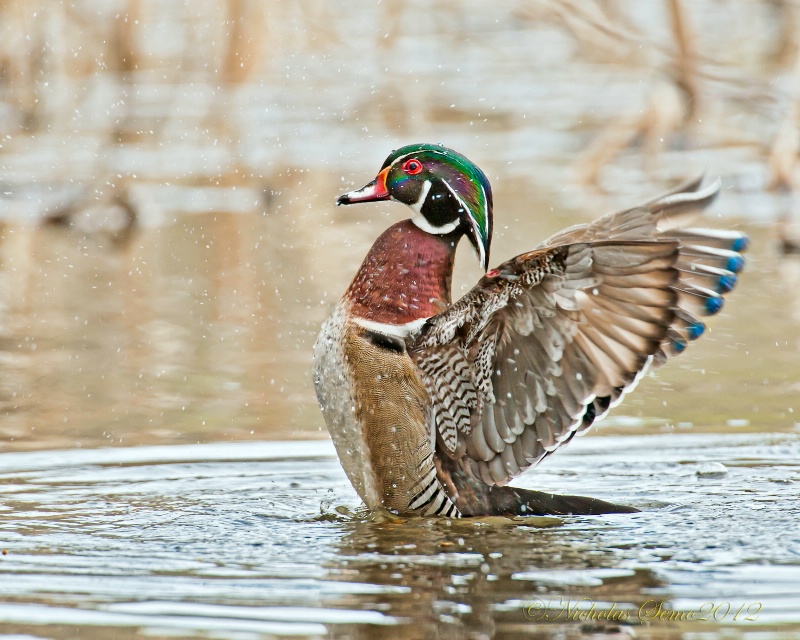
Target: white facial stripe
[417,206]
[420,219]
[485,210]
[414,153]
[456,196]
[397,330]
[473,222]
[404,157]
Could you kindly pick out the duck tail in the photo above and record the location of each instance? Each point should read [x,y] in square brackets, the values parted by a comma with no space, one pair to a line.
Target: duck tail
[473,497]
[512,501]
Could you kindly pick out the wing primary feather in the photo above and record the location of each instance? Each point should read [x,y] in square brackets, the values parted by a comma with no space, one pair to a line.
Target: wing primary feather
[497,469]
[477,446]
[655,315]
[491,433]
[485,473]
[642,296]
[510,465]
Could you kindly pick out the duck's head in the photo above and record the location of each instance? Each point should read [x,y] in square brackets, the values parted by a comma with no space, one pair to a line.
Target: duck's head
[446,191]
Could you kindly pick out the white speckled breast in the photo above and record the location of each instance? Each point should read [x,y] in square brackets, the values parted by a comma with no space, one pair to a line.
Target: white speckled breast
[335,395]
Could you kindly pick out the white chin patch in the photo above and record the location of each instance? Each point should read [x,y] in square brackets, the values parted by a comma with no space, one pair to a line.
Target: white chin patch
[423,224]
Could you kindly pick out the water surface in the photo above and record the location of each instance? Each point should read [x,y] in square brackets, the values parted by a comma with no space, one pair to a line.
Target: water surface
[266,539]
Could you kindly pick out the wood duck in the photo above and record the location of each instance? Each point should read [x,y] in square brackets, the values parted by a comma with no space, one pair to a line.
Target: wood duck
[434,406]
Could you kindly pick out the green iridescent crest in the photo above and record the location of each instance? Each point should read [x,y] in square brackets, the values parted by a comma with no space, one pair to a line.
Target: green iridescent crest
[466,181]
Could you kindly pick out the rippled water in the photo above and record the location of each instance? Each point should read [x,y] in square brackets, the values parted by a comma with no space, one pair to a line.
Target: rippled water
[264,539]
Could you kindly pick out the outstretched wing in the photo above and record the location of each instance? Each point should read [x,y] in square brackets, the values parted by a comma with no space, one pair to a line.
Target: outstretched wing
[546,343]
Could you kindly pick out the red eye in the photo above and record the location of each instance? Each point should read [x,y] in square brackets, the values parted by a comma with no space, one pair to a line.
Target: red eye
[412,167]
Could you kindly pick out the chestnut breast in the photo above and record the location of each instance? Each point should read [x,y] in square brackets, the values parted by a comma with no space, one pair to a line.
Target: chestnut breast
[406,276]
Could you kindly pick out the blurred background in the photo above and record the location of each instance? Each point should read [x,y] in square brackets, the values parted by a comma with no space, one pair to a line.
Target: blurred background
[169,247]
[169,243]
